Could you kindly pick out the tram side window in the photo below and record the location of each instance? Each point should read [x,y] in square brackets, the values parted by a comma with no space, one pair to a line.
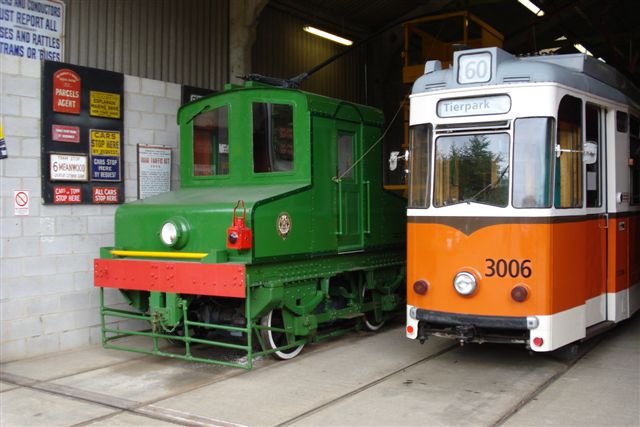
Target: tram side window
[634,156]
[568,191]
[532,162]
[592,133]
[211,143]
[420,140]
[272,137]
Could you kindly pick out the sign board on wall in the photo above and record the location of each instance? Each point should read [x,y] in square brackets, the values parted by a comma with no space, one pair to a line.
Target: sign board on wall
[154,170]
[32,29]
[192,93]
[82,134]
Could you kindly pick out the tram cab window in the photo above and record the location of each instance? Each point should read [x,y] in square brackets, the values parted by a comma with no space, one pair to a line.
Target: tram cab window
[593,118]
[634,156]
[532,162]
[211,143]
[420,145]
[568,191]
[272,137]
[472,168]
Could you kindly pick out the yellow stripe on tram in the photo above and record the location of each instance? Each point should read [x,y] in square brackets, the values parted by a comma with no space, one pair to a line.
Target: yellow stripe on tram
[152,254]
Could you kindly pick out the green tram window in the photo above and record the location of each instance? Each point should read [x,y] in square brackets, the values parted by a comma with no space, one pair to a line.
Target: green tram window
[211,143]
[569,164]
[420,140]
[272,137]
[532,162]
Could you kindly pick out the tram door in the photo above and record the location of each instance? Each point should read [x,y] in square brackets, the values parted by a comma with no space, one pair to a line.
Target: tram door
[596,203]
[350,224]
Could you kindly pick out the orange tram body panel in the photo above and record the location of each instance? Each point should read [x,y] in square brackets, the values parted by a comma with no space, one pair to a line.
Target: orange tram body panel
[524,200]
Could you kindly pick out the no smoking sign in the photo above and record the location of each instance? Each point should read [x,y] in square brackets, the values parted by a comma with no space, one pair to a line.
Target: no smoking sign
[21,202]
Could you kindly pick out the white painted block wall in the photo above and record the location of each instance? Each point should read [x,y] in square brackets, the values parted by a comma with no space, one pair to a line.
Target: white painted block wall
[47,299]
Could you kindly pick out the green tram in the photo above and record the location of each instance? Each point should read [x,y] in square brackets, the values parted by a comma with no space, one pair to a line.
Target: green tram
[280,235]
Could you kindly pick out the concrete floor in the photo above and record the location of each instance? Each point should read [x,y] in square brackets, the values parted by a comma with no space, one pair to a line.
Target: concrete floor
[361,380]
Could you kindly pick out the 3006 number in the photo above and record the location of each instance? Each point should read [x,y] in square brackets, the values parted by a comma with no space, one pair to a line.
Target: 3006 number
[504,268]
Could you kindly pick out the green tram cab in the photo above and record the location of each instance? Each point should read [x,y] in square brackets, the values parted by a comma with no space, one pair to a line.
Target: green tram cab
[281,232]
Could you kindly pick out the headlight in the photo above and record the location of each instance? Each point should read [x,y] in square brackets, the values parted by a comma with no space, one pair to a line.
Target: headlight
[465,283]
[174,233]
[169,233]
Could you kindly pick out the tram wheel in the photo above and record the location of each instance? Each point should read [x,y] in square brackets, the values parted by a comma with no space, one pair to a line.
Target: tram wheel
[276,339]
[370,322]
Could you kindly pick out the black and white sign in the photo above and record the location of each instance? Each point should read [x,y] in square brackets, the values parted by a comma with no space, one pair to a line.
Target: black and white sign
[154,170]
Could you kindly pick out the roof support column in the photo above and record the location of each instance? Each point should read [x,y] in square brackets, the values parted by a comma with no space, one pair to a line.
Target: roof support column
[243,17]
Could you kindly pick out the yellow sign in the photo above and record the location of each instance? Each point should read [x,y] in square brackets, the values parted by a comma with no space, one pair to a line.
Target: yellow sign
[105,142]
[104,104]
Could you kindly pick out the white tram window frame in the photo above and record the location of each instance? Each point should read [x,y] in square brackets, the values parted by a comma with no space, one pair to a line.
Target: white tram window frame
[569,191]
[421,142]
[532,183]
[634,158]
[593,172]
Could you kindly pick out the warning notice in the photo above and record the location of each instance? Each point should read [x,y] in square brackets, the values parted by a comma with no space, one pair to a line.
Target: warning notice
[66,195]
[104,142]
[21,203]
[105,195]
[154,170]
[104,104]
[32,29]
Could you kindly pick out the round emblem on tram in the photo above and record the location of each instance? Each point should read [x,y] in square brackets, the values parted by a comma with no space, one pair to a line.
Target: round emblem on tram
[283,224]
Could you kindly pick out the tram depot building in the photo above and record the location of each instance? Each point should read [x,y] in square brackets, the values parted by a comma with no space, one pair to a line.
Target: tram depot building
[228,180]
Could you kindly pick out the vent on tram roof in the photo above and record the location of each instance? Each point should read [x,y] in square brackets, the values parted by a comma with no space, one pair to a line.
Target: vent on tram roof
[434,85]
[460,127]
[516,79]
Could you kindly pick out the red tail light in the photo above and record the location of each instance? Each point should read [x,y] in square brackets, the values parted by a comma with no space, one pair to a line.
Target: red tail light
[421,287]
[519,293]
[537,341]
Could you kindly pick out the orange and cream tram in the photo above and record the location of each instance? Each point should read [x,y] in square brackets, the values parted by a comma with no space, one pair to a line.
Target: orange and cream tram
[524,199]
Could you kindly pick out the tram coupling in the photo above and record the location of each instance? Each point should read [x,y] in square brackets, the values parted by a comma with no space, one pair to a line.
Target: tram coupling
[465,333]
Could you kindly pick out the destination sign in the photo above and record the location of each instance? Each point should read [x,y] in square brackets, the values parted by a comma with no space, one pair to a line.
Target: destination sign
[477,106]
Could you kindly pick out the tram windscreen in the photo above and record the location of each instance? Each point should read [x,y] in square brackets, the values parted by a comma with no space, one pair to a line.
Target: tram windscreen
[472,168]
[211,143]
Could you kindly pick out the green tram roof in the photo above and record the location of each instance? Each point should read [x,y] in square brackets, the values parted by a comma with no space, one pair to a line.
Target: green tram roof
[317,104]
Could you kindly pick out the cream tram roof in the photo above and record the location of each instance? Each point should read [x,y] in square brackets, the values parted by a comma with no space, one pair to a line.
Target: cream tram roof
[578,71]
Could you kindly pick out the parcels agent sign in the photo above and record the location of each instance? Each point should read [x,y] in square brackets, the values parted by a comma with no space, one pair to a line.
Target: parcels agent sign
[66,91]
